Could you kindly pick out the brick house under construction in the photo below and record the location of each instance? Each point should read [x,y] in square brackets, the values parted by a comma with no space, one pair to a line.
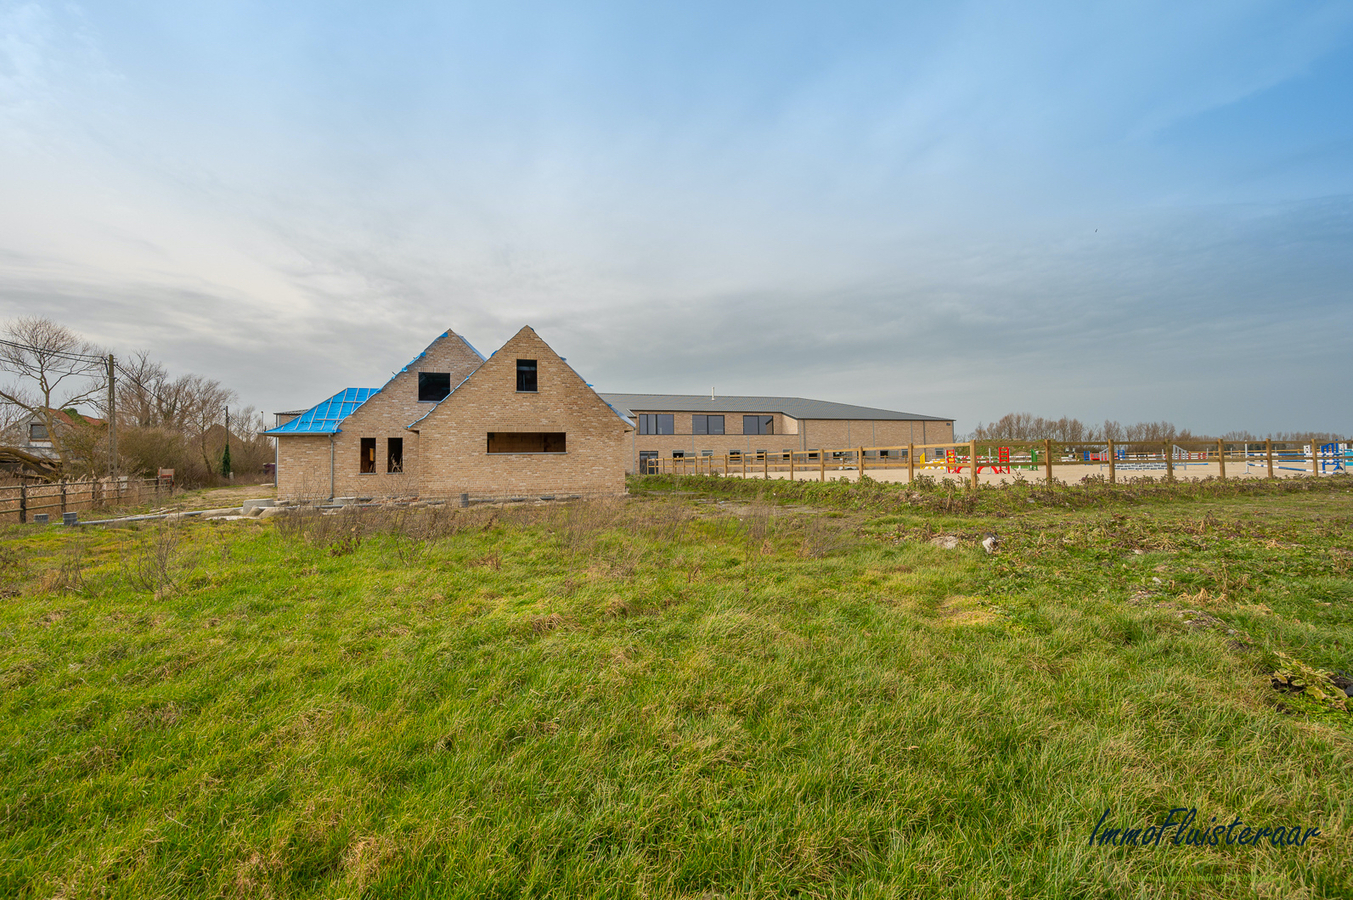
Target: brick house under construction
[521,423]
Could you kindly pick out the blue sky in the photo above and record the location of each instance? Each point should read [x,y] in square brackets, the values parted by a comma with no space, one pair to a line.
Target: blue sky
[960,209]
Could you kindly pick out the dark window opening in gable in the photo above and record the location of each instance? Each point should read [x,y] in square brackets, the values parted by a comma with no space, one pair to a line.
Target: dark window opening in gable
[394,455]
[655,423]
[526,374]
[758,424]
[706,424]
[37,431]
[433,386]
[368,456]
[527,442]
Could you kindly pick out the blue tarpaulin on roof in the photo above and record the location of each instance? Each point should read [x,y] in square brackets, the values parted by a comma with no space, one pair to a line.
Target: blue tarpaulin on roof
[325,417]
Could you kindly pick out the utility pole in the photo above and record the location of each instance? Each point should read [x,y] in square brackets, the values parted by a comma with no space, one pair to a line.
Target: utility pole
[112,418]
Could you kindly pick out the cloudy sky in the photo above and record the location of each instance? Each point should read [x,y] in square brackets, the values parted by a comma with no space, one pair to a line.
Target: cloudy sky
[1129,211]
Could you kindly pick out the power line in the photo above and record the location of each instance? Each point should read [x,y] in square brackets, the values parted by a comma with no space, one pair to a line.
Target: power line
[60,354]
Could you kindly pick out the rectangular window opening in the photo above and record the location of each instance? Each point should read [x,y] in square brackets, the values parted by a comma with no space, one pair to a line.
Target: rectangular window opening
[37,431]
[526,375]
[648,462]
[678,454]
[368,456]
[394,455]
[527,442]
[656,423]
[706,424]
[433,386]
[758,424]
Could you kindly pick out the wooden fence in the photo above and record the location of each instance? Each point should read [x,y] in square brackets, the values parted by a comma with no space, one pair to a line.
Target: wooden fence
[21,502]
[1007,457]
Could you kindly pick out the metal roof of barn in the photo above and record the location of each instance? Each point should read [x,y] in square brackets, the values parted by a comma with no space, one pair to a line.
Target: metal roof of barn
[794,407]
[325,417]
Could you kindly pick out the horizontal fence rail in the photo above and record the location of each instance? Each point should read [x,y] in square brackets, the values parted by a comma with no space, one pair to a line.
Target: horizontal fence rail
[1265,458]
[22,502]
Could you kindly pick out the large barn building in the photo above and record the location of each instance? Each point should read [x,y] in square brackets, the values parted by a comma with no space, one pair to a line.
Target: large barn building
[675,426]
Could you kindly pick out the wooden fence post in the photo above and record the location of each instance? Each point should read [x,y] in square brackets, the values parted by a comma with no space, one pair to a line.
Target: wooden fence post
[1047,458]
[1169,461]
[1113,474]
[765,466]
[972,458]
[911,464]
[1221,458]
[63,498]
[791,465]
[23,502]
[743,457]
[860,451]
[1315,457]
[1268,452]
[822,465]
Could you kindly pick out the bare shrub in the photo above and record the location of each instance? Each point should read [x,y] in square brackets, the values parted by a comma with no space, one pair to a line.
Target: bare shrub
[159,562]
[665,522]
[624,560]
[757,525]
[578,525]
[822,538]
[69,575]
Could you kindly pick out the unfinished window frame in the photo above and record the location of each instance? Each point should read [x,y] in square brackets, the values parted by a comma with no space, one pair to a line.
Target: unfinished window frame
[430,386]
[394,456]
[553,443]
[367,457]
[528,376]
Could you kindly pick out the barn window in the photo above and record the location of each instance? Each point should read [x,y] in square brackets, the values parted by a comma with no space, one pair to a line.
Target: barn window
[758,424]
[526,375]
[394,455]
[656,423]
[706,424]
[433,386]
[368,456]
[37,431]
[527,442]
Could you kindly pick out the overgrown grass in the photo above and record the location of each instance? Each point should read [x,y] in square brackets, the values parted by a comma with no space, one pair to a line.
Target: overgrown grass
[701,691]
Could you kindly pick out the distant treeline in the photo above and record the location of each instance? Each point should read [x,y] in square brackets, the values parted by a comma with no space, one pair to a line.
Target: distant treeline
[1028,427]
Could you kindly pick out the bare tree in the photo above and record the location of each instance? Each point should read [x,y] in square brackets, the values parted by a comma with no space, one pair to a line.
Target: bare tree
[203,404]
[53,369]
[141,387]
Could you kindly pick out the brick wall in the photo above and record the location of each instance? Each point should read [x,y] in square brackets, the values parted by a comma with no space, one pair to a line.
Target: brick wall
[303,466]
[453,440]
[806,434]
[387,415]
[303,461]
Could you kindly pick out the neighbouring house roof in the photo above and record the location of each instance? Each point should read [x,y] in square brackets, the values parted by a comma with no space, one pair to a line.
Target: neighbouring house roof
[794,407]
[64,417]
[325,417]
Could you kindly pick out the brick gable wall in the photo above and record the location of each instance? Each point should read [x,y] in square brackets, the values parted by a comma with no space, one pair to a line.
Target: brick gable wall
[303,460]
[453,440]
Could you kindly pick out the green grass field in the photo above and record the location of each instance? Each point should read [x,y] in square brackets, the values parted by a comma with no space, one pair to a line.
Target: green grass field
[714,688]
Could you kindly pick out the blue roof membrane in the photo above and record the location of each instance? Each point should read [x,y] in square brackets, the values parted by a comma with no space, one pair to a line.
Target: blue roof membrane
[325,417]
